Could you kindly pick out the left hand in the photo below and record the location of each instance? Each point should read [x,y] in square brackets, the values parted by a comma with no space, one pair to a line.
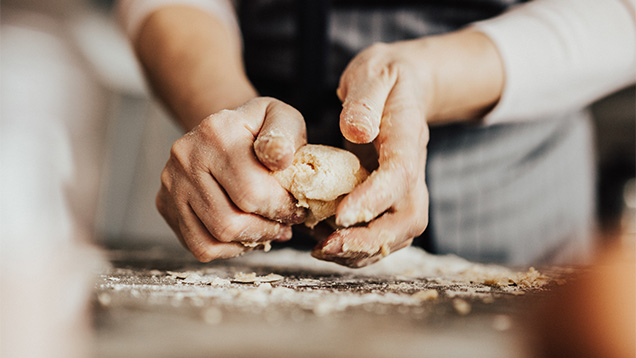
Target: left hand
[385,103]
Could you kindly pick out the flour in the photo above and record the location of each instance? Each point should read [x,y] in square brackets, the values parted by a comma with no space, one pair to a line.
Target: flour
[410,263]
[286,281]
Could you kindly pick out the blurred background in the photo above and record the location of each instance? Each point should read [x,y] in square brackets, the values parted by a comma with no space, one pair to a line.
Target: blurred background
[83,144]
[67,64]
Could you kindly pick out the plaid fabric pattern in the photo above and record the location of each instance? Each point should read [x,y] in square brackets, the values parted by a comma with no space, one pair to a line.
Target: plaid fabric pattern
[517,193]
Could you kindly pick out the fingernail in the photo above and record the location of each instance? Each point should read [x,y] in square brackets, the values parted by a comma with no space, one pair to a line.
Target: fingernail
[361,122]
[358,128]
[333,245]
[274,150]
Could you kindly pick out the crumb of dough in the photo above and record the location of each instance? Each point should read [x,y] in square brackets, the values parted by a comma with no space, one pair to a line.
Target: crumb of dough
[504,278]
[267,287]
[461,306]
[319,177]
[181,275]
[193,278]
[219,282]
[362,215]
[186,277]
[253,278]
[426,295]
[265,245]
[385,250]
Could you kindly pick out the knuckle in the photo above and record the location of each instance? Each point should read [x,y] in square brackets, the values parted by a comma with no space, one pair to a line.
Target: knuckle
[214,124]
[179,156]
[378,48]
[293,112]
[261,100]
[212,129]
[220,128]
[405,173]
[249,199]
[166,179]
[202,254]
[380,61]
[229,230]
[391,69]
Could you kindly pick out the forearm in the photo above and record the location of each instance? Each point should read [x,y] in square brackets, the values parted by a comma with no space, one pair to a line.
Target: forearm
[193,63]
[540,58]
[462,74]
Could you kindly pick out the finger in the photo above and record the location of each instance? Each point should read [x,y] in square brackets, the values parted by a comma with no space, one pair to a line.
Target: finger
[401,147]
[200,242]
[282,133]
[253,190]
[364,88]
[216,218]
[190,230]
[361,246]
[226,223]
[244,179]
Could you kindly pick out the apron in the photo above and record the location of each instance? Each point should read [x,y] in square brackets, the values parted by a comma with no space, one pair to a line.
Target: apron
[517,194]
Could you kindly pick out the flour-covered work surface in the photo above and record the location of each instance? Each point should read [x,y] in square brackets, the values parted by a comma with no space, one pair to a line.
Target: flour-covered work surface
[284,303]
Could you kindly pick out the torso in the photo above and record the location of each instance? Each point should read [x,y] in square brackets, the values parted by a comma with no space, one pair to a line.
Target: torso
[509,193]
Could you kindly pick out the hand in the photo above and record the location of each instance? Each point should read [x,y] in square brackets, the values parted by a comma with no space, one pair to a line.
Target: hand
[215,193]
[384,101]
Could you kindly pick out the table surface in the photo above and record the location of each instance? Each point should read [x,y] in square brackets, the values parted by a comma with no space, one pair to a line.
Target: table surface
[158,303]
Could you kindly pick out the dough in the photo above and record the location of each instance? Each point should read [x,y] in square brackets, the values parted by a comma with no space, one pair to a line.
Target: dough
[319,177]
[264,245]
[253,278]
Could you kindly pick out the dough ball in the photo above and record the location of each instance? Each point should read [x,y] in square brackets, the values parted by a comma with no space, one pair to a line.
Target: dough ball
[319,177]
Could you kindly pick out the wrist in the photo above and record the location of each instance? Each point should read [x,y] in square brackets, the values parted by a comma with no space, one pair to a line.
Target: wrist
[462,74]
[212,99]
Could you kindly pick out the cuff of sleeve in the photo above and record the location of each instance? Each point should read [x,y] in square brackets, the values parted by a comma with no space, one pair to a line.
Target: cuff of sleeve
[517,39]
[133,13]
[560,55]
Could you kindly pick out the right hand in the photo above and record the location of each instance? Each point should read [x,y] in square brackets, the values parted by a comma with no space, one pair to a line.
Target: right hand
[215,193]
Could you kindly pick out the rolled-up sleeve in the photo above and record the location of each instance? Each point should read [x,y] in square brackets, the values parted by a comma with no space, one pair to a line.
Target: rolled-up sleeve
[561,55]
[132,13]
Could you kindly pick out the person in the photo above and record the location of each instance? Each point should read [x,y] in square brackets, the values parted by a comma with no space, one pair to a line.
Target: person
[475,111]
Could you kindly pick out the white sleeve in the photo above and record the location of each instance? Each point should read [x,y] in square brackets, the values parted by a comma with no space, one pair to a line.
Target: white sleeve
[561,55]
[132,13]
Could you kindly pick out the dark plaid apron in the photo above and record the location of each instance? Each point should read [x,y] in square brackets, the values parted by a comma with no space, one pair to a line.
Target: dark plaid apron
[511,193]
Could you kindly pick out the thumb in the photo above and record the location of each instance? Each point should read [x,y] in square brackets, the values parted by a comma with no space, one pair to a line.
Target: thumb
[282,133]
[364,93]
